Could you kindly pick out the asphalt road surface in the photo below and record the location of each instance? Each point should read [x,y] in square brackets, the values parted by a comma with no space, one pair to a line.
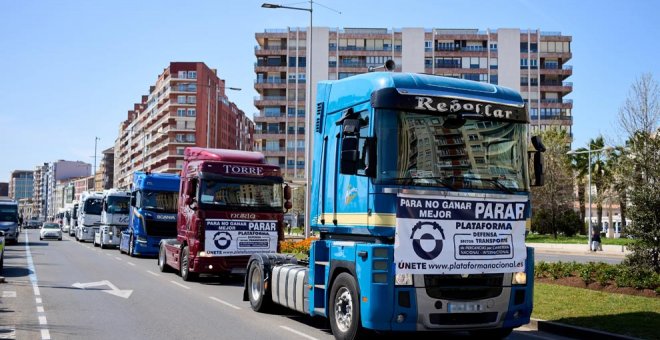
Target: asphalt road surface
[71,290]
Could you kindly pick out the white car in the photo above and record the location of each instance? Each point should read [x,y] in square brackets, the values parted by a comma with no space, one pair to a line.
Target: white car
[50,230]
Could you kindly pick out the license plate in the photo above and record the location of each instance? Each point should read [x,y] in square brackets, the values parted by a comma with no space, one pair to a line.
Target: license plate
[464,307]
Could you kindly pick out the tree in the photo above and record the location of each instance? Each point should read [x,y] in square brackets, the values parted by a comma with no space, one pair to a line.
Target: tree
[640,118]
[600,174]
[619,170]
[555,197]
[580,167]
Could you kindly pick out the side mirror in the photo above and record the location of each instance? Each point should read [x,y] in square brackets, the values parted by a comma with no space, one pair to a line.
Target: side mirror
[287,192]
[537,159]
[133,200]
[288,205]
[2,233]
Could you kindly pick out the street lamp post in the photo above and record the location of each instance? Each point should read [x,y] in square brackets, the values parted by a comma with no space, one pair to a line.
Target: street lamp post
[208,110]
[308,115]
[589,152]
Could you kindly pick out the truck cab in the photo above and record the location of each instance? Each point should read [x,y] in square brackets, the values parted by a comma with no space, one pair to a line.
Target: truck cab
[420,193]
[152,217]
[89,217]
[9,220]
[114,218]
[230,206]
[74,219]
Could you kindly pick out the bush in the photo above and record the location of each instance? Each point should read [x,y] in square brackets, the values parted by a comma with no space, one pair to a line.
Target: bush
[605,274]
[587,273]
[541,269]
[567,222]
[294,247]
[558,270]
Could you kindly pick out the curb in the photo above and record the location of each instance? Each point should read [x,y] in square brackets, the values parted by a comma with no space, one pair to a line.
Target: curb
[575,331]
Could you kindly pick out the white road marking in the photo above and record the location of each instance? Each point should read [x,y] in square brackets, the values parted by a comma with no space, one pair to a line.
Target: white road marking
[108,254]
[8,293]
[42,320]
[298,332]
[45,334]
[131,263]
[40,309]
[152,273]
[38,300]
[37,292]
[117,258]
[180,285]
[224,302]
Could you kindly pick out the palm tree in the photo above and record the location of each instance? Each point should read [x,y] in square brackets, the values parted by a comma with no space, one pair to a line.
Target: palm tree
[580,167]
[600,174]
[617,162]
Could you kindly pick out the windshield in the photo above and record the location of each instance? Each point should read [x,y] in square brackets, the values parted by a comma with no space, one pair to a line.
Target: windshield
[240,195]
[93,206]
[51,226]
[163,201]
[8,213]
[118,204]
[415,149]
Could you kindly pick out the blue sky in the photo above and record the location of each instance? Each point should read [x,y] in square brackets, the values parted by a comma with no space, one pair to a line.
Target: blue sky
[72,69]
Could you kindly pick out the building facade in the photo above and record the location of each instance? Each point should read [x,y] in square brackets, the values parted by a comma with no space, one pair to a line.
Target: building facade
[4,189]
[104,177]
[21,183]
[58,173]
[529,61]
[40,189]
[187,106]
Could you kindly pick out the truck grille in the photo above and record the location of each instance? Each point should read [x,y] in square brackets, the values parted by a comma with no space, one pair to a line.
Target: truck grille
[456,287]
[160,228]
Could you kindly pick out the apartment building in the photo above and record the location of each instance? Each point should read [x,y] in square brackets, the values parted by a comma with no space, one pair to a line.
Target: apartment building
[532,62]
[4,189]
[40,188]
[187,106]
[103,179]
[21,184]
[58,174]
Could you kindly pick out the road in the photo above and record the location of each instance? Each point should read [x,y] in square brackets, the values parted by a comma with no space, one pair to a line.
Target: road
[43,298]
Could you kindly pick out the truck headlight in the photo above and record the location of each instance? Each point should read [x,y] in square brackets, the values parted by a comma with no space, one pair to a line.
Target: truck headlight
[84,230]
[110,233]
[519,278]
[403,280]
[203,254]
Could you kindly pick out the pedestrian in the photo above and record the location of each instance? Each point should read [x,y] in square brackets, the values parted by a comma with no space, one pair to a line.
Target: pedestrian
[595,241]
[288,227]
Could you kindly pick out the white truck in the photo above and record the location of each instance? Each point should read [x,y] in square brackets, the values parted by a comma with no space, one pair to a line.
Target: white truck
[114,218]
[74,218]
[89,215]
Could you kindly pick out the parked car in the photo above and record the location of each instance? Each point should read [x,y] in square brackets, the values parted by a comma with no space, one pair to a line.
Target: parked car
[33,224]
[50,230]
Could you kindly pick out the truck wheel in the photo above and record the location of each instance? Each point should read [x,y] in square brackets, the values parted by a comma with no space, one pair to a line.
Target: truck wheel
[499,333]
[344,308]
[259,300]
[131,247]
[186,275]
[162,260]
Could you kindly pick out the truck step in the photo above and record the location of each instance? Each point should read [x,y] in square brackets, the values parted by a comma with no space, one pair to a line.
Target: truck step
[319,311]
[322,263]
[319,286]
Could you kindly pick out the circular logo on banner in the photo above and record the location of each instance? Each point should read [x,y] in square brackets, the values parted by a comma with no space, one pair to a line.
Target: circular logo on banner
[222,240]
[431,239]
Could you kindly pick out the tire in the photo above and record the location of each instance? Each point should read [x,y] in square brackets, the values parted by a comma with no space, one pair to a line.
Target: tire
[59,239]
[94,242]
[102,246]
[186,275]
[344,308]
[131,246]
[162,261]
[499,333]
[260,300]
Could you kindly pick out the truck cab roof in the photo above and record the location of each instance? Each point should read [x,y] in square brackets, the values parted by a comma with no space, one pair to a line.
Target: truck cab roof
[223,155]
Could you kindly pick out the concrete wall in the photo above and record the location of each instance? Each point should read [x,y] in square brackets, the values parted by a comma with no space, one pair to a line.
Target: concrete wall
[412,55]
[508,50]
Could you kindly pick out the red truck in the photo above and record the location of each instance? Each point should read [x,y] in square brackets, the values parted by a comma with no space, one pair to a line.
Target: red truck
[231,205]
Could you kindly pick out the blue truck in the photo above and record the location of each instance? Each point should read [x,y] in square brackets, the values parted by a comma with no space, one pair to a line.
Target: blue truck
[420,194]
[153,213]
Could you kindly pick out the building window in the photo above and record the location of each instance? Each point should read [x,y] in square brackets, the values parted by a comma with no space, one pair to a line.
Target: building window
[181,112]
[190,137]
[181,99]
[192,99]
[192,74]
[192,112]
[428,46]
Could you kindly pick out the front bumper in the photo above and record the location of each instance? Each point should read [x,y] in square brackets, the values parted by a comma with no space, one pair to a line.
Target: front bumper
[225,264]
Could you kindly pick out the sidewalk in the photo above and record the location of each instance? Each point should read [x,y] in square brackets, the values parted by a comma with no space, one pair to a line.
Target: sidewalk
[579,249]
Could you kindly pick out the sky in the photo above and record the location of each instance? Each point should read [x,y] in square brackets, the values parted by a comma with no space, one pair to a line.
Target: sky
[72,69]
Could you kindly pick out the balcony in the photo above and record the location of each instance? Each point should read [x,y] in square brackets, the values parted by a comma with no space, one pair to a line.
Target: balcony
[269,50]
[272,83]
[564,119]
[268,100]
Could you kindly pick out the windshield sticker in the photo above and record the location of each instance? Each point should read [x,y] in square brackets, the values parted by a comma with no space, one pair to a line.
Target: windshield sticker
[240,237]
[440,235]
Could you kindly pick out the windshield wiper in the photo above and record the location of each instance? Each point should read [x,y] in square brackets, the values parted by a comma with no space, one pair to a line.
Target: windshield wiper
[495,181]
[439,180]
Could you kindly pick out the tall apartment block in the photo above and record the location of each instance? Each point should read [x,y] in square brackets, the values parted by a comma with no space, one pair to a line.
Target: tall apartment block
[187,106]
[40,189]
[58,173]
[103,178]
[21,184]
[529,61]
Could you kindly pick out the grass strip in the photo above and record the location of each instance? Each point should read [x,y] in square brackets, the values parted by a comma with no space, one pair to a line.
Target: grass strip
[577,239]
[616,313]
